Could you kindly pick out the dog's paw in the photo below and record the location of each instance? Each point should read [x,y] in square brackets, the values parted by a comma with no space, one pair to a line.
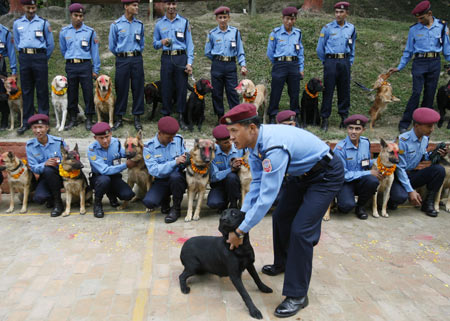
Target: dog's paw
[265,289]
[384,214]
[60,129]
[10,210]
[23,210]
[447,208]
[185,289]
[375,214]
[149,210]
[255,313]
[326,217]
[65,214]
[82,211]
[196,217]
[188,218]
[121,207]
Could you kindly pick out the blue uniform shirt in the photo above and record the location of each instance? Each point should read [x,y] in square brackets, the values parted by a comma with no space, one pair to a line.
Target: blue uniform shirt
[179,31]
[225,43]
[126,36]
[356,160]
[412,150]
[268,169]
[422,39]
[81,44]
[220,165]
[33,34]
[38,154]
[106,162]
[281,43]
[7,48]
[160,159]
[335,39]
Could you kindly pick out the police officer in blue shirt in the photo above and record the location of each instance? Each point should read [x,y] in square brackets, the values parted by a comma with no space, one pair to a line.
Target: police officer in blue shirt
[33,39]
[360,179]
[126,42]
[317,176]
[409,175]
[285,52]
[165,158]
[105,156]
[336,50]
[224,46]
[44,157]
[223,179]
[6,50]
[427,39]
[173,35]
[79,46]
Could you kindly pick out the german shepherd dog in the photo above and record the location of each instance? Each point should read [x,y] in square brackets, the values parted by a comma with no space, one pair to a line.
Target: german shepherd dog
[309,110]
[256,95]
[138,175]
[104,98]
[75,182]
[211,254]
[445,162]
[197,176]
[195,106]
[15,101]
[245,176]
[20,180]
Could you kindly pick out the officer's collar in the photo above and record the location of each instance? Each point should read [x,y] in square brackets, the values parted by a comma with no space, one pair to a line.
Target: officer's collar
[176,17]
[337,24]
[435,24]
[81,28]
[219,150]
[228,29]
[349,144]
[50,140]
[123,18]
[259,144]
[158,143]
[36,17]
[283,29]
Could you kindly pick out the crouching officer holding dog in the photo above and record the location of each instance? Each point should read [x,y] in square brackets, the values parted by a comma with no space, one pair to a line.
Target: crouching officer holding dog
[44,156]
[105,156]
[165,158]
[274,152]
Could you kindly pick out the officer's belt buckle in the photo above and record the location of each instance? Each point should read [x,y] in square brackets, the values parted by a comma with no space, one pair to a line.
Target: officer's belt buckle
[288,58]
[29,51]
[430,54]
[340,55]
[76,61]
[224,58]
[173,52]
[129,54]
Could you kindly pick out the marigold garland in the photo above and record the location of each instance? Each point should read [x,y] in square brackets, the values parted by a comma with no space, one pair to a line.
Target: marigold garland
[252,98]
[198,170]
[66,174]
[384,170]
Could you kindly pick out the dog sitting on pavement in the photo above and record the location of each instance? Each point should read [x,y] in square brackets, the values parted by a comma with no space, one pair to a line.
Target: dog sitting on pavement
[195,106]
[15,101]
[211,254]
[309,110]
[256,95]
[104,99]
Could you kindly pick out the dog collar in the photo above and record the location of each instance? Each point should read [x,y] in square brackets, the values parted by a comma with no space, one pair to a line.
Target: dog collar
[106,97]
[59,92]
[243,162]
[16,95]
[311,94]
[198,170]
[252,98]
[22,164]
[68,174]
[154,85]
[384,170]
[201,97]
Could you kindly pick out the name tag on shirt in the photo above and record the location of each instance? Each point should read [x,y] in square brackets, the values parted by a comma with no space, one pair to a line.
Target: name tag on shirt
[233,44]
[39,33]
[297,47]
[137,37]
[180,34]
[365,163]
[84,43]
[2,45]
[350,41]
[117,161]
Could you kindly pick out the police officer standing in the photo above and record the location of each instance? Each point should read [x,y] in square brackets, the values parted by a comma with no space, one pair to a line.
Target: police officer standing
[6,50]
[224,46]
[126,42]
[33,39]
[409,176]
[360,179]
[274,152]
[165,158]
[105,156]
[426,40]
[285,52]
[173,34]
[79,46]
[44,157]
[336,50]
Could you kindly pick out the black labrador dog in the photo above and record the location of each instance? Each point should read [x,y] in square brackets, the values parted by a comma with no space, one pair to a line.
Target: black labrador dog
[309,110]
[153,95]
[195,106]
[211,254]
[443,102]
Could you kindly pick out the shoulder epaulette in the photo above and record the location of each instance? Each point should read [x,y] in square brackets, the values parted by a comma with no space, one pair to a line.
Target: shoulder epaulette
[117,21]
[137,20]
[276,29]
[57,138]
[31,141]
[183,17]
[404,138]
[413,25]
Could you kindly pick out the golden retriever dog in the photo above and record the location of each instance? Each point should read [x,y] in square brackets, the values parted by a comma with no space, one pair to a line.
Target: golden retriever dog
[104,99]
[245,176]
[382,98]
[15,101]
[256,95]
[20,180]
[445,188]
[197,175]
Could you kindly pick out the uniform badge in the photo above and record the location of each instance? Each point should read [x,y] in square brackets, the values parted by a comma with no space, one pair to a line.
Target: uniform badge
[267,165]
[93,157]
[147,156]
[401,151]
[322,35]
[272,38]
[96,40]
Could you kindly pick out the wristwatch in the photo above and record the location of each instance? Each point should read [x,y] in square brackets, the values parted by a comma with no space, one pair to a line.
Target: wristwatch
[239,235]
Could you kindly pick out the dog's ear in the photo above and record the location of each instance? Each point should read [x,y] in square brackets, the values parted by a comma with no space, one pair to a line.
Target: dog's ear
[396,140]
[76,148]
[10,155]
[63,150]
[383,143]
[139,134]
[196,143]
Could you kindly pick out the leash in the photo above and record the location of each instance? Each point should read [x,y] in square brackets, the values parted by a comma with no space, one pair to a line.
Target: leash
[362,86]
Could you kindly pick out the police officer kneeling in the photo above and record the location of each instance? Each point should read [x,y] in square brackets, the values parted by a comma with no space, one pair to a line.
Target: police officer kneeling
[105,158]
[275,151]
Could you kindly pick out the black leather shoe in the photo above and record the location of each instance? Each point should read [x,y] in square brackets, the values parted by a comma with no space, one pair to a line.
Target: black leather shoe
[183,125]
[428,208]
[50,203]
[118,123]
[72,123]
[114,202]
[324,125]
[272,270]
[290,306]
[22,129]
[88,122]
[165,208]
[137,123]
[361,212]
[98,208]
[58,209]
[392,206]
[172,216]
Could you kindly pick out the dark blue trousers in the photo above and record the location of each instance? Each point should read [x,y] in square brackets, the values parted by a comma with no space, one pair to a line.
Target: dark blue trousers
[425,72]
[129,68]
[297,222]
[49,185]
[80,74]
[284,72]
[173,78]
[162,188]
[336,73]
[112,186]
[34,73]
[364,187]
[223,74]
[4,108]
[224,192]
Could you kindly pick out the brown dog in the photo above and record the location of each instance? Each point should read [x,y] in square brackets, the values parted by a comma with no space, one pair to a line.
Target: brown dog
[197,176]
[445,186]
[382,98]
[15,102]
[245,176]
[256,95]
[104,98]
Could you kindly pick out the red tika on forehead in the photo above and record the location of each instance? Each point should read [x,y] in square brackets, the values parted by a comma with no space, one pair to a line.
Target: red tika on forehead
[394,147]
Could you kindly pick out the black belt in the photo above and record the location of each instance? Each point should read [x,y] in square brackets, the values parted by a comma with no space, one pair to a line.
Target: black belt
[320,165]
[337,56]
[129,54]
[426,55]
[33,51]
[76,61]
[225,58]
[174,52]
[286,58]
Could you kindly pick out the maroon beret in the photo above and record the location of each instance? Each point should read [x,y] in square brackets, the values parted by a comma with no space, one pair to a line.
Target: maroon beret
[28,2]
[290,11]
[38,119]
[100,129]
[285,115]
[222,10]
[221,132]
[170,1]
[129,1]
[168,125]
[342,5]
[76,7]
[425,115]
[239,113]
[422,8]
[357,119]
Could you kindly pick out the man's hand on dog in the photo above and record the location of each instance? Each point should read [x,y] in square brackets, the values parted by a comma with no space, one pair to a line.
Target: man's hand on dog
[235,164]
[393,70]
[188,69]
[234,240]
[181,159]
[442,151]
[415,198]
[377,174]
[53,162]
[244,71]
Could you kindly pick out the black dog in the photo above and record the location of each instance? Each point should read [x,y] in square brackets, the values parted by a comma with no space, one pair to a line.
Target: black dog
[195,106]
[153,95]
[443,102]
[209,254]
[309,111]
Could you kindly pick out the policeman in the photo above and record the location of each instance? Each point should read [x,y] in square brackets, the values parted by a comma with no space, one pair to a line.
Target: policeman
[33,39]
[336,50]
[224,181]
[79,46]
[44,156]
[105,155]
[173,34]
[286,117]
[126,42]
[409,176]
[426,40]
[285,52]
[274,152]
[224,46]
[6,50]
[360,179]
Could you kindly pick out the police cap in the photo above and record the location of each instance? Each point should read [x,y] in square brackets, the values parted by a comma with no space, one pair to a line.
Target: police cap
[221,132]
[100,129]
[76,7]
[239,113]
[357,119]
[168,125]
[422,8]
[38,119]
[290,11]
[285,115]
[222,10]
[28,2]
[342,5]
[425,115]
[129,1]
